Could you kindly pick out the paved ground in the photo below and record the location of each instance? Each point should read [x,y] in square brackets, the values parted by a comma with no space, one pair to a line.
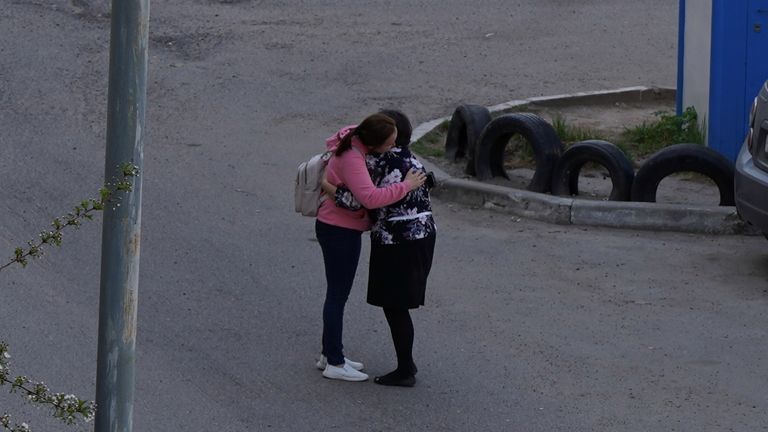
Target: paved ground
[529,326]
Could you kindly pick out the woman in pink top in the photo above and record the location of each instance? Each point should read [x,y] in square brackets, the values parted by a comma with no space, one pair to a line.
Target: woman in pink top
[339,231]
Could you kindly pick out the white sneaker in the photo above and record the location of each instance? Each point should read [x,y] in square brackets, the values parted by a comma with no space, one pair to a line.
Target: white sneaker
[324,361]
[344,372]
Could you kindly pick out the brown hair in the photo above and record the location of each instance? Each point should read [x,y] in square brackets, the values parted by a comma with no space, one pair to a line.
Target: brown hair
[403,124]
[372,132]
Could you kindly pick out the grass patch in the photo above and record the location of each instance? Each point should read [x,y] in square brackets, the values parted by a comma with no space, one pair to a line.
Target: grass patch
[570,133]
[666,130]
[433,143]
[518,153]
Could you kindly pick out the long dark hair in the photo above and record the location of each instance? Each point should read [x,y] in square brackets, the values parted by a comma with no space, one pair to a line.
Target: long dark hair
[403,124]
[372,132]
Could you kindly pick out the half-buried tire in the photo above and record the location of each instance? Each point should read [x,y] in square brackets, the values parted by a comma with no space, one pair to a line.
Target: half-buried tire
[565,179]
[547,148]
[466,124]
[684,158]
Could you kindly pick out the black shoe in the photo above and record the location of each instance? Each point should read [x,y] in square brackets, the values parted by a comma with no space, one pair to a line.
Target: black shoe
[396,378]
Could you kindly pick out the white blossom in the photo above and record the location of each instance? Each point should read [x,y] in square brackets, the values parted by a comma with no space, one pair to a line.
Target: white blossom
[411,212]
[392,178]
[386,237]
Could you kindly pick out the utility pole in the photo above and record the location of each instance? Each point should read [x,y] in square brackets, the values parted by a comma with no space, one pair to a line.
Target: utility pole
[121,233]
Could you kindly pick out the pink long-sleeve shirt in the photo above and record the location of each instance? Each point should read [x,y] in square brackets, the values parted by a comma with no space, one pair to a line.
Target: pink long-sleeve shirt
[350,169]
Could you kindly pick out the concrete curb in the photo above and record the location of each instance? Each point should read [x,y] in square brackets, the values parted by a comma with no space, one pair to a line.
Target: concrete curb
[570,211]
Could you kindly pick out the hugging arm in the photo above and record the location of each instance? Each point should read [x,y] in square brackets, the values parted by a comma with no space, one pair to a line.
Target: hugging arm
[357,196]
[342,196]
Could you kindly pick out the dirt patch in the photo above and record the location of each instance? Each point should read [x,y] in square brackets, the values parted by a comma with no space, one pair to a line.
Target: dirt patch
[610,120]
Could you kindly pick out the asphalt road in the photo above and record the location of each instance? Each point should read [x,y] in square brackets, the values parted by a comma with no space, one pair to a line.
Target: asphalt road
[528,326]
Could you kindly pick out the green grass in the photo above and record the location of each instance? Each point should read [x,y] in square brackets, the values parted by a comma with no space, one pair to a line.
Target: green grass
[518,153]
[570,133]
[433,143]
[666,130]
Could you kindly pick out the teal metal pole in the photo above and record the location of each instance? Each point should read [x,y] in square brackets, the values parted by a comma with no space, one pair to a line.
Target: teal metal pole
[116,358]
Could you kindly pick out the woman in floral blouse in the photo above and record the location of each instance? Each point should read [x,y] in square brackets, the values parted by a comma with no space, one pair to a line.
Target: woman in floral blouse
[339,231]
[402,245]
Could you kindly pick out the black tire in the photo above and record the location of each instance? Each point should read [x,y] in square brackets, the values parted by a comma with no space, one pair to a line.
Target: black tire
[466,124]
[547,148]
[681,158]
[565,179]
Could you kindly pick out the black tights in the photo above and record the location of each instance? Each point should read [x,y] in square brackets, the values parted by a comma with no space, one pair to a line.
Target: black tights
[401,326]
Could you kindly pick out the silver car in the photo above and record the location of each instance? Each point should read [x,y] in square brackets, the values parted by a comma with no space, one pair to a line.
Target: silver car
[751,180]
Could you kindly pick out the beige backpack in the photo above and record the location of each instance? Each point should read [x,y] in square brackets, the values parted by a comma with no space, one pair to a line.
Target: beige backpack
[307,191]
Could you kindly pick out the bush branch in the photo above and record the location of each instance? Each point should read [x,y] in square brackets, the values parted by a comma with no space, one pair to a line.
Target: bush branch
[83,211]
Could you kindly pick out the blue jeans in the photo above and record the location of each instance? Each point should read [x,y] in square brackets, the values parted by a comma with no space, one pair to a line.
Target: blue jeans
[341,253]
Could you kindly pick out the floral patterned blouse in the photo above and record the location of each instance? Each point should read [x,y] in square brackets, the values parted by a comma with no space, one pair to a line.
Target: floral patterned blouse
[406,220]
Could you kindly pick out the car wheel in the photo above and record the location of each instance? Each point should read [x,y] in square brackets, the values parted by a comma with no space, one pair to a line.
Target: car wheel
[681,158]
[565,179]
[547,148]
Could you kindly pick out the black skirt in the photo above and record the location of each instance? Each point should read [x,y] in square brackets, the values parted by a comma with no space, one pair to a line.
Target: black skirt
[397,276]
